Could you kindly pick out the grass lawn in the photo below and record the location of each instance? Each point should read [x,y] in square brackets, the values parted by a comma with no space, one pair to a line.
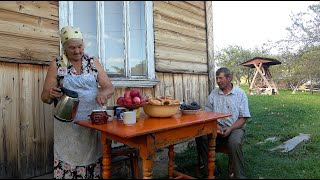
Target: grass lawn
[283,116]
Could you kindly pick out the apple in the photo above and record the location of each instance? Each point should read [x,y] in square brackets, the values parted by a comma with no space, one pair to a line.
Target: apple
[128,101]
[120,100]
[127,94]
[142,100]
[136,100]
[134,93]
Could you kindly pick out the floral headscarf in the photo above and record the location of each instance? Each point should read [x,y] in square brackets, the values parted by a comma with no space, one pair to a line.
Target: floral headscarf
[68,32]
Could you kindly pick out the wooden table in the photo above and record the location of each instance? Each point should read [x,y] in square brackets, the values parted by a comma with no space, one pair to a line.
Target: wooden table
[149,134]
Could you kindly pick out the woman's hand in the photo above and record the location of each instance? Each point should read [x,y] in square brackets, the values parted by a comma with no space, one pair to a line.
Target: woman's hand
[102,97]
[55,93]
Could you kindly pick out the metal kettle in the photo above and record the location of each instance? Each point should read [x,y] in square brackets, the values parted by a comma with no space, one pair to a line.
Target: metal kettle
[67,106]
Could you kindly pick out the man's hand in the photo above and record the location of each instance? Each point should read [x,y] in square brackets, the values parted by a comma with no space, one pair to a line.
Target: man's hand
[224,132]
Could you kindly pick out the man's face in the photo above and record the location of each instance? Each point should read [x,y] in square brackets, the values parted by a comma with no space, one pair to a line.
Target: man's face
[223,81]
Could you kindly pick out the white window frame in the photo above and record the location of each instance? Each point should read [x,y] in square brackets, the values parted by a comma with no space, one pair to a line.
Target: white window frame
[66,19]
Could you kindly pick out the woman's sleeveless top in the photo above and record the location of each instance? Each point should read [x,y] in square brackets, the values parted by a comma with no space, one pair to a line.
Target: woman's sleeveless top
[75,144]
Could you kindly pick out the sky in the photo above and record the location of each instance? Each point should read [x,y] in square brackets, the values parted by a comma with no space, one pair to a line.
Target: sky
[249,24]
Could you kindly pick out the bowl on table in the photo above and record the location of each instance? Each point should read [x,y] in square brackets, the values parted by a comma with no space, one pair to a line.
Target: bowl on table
[190,112]
[161,110]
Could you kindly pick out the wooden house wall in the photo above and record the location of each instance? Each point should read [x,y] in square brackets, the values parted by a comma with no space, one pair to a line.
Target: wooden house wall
[29,41]
[180,49]
[29,31]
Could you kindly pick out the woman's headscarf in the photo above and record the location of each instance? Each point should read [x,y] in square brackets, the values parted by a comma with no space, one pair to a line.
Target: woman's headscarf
[68,32]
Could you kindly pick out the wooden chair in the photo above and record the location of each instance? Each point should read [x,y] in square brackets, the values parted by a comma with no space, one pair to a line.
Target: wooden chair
[225,150]
[219,149]
[127,152]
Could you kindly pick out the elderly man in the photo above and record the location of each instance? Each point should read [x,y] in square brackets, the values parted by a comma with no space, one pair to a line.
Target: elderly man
[228,98]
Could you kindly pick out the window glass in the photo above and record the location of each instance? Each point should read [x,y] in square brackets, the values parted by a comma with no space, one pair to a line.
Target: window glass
[84,17]
[137,43]
[116,33]
[114,37]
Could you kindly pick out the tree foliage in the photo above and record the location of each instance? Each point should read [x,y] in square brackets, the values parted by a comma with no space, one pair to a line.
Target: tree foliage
[300,51]
[233,56]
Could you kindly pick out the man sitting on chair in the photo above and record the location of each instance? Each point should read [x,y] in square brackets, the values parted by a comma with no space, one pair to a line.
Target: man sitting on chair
[228,98]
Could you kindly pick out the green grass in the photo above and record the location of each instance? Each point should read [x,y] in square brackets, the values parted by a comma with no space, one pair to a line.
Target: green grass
[284,116]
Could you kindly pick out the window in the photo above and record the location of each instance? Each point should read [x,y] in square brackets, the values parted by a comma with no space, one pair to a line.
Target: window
[120,34]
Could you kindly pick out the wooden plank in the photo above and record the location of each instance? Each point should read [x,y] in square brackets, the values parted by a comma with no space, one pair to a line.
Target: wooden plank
[48,127]
[33,21]
[23,61]
[178,87]
[148,92]
[161,7]
[44,9]
[189,7]
[164,22]
[28,126]
[25,30]
[203,90]
[9,121]
[172,39]
[38,121]
[186,80]
[210,46]
[199,4]
[168,84]
[163,65]
[194,88]
[26,48]
[159,88]
[175,54]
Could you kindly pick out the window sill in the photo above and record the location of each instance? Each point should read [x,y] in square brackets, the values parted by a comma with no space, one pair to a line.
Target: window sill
[134,82]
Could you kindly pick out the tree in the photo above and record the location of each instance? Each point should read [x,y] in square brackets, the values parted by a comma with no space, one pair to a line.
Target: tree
[305,28]
[299,52]
[232,57]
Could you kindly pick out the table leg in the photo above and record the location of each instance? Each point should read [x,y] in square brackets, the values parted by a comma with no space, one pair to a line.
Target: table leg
[147,166]
[147,153]
[106,156]
[211,155]
[171,162]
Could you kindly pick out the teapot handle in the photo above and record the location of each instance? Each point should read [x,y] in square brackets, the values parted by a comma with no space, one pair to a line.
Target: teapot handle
[69,92]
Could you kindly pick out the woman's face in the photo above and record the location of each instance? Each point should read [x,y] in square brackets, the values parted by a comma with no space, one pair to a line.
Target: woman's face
[74,49]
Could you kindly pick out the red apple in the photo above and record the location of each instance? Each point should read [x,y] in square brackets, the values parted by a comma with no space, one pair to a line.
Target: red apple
[142,100]
[128,101]
[127,94]
[134,93]
[136,100]
[120,101]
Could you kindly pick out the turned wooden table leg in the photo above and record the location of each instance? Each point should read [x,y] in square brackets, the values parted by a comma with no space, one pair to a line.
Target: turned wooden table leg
[171,162]
[106,156]
[211,156]
[147,166]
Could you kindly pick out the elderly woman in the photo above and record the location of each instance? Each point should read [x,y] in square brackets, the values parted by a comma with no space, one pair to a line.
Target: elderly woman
[77,150]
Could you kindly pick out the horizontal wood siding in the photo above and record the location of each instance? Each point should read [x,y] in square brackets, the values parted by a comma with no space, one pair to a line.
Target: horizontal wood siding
[29,31]
[180,37]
